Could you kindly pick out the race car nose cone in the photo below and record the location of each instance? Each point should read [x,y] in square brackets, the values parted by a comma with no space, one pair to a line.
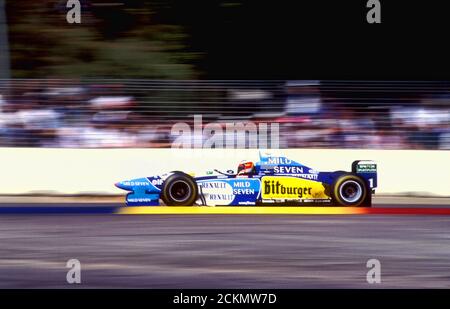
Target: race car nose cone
[124,185]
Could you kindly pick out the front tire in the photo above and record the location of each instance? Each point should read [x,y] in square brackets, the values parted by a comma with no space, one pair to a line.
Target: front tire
[350,190]
[179,189]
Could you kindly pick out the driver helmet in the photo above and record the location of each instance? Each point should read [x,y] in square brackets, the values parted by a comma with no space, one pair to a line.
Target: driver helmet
[245,167]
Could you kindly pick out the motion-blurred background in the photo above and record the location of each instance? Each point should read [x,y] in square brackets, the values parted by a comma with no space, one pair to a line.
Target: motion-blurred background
[141,113]
[132,69]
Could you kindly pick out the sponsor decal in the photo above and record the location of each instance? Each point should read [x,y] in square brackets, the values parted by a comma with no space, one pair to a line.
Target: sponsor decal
[247,203]
[142,184]
[157,182]
[296,171]
[140,200]
[230,191]
[308,176]
[277,188]
[274,187]
[288,169]
[243,191]
[243,188]
[135,183]
[279,160]
[366,168]
[214,185]
[217,192]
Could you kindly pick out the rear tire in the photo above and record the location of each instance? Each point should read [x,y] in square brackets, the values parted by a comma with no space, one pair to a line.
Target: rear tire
[179,189]
[350,190]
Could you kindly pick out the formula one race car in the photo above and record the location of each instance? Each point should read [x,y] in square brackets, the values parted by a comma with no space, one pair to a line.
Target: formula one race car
[272,180]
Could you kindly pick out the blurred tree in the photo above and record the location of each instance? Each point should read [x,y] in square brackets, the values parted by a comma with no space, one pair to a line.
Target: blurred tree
[114,40]
[4,45]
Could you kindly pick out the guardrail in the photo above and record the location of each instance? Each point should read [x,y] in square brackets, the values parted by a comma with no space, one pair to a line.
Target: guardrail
[94,171]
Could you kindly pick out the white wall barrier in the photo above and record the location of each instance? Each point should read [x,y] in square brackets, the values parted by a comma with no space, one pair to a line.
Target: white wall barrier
[94,171]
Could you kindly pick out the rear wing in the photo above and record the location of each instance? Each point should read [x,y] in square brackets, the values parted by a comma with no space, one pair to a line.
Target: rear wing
[367,170]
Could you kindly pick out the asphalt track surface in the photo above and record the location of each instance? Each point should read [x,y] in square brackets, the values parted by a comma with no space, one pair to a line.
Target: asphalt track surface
[220,251]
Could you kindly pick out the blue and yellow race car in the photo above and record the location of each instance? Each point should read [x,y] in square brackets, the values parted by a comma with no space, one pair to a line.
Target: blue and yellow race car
[273,180]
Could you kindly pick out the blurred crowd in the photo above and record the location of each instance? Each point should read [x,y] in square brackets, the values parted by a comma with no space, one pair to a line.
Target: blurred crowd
[310,114]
